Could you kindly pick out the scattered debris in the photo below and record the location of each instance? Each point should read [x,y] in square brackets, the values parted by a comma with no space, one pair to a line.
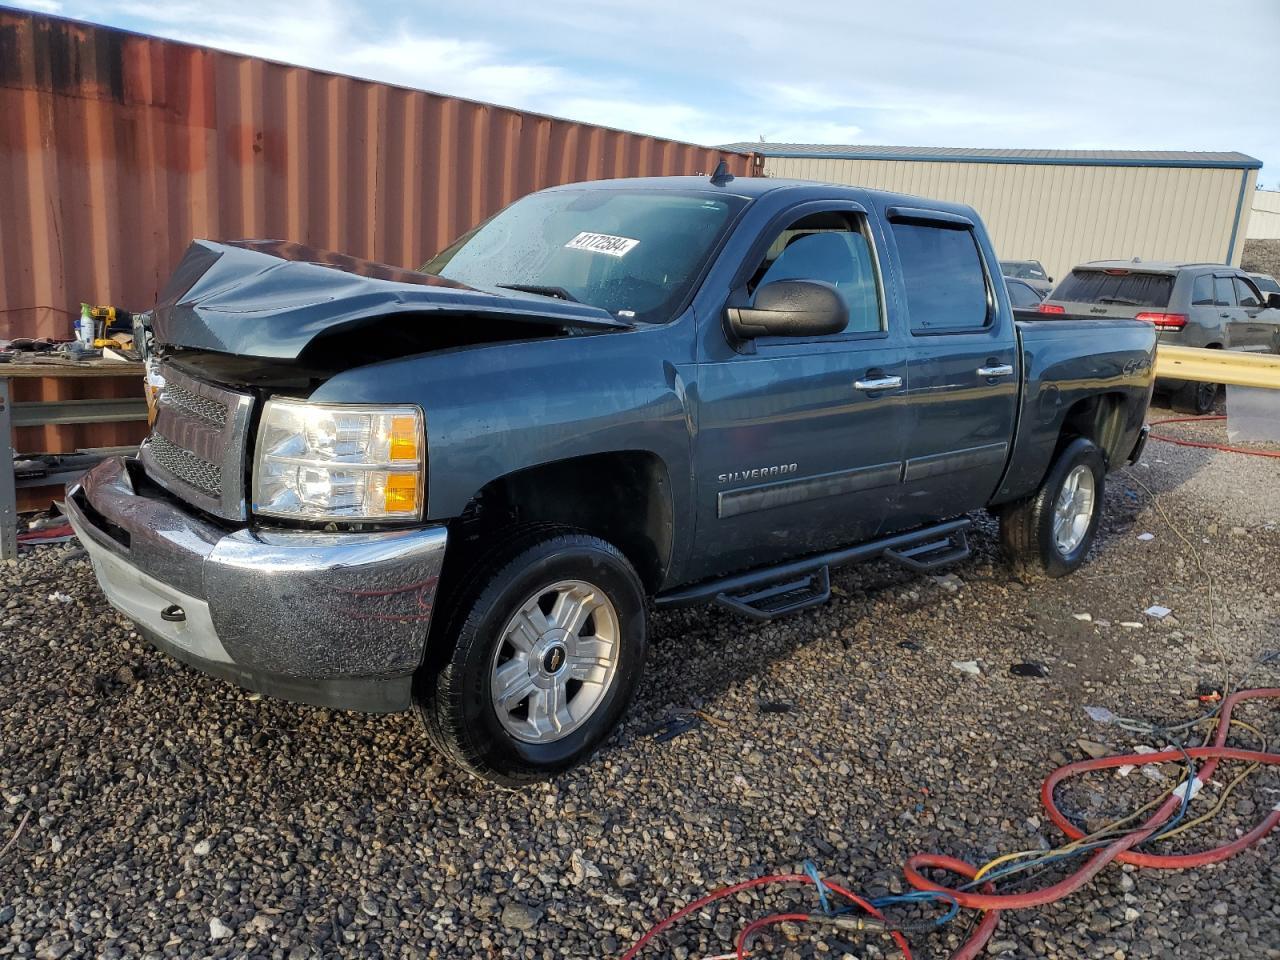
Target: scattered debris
[59,597]
[968,666]
[1100,714]
[775,706]
[1130,624]
[713,720]
[1146,536]
[1029,668]
[1083,617]
[949,582]
[672,727]
[1157,611]
[1093,749]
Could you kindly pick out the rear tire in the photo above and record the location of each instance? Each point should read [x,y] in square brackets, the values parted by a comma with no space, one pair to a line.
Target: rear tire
[543,655]
[1194,397]
[1050,533]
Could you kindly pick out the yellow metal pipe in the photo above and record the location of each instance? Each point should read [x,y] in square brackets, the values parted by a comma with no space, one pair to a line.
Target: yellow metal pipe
[1218,366]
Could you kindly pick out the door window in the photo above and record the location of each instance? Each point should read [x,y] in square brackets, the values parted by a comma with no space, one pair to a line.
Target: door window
[1246,296]
[831,247]
[1022,296]
[1223,295]
[946,283]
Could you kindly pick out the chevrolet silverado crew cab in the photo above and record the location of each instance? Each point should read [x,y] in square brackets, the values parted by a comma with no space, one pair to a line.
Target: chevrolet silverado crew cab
[459,488]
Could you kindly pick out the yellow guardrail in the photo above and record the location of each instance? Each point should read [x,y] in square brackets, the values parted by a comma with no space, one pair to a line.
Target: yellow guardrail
[1218,366]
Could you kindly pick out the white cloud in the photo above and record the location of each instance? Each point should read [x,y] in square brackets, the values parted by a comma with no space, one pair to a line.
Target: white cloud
[38,6]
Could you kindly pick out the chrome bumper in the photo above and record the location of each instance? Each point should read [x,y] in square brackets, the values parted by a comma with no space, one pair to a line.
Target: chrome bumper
[336,619]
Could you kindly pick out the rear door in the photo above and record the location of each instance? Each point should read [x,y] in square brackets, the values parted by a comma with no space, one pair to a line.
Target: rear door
[962,367]
[799,441]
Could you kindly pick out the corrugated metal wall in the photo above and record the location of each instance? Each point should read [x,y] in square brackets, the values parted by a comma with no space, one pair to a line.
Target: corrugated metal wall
[1063,215]
[117,149]
[1264,220]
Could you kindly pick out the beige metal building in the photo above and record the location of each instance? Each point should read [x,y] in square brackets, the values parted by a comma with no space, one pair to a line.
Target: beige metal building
[1060,207]
[1264,220]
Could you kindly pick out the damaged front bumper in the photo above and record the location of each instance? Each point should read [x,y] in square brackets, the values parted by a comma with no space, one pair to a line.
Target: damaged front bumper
[333,619]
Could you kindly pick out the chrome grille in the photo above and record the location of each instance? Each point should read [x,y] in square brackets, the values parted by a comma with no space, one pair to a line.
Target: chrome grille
[186,466]
[210,411]
[198,446]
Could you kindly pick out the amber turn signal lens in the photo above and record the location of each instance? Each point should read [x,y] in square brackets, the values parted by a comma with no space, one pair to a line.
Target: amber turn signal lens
[404,439]
[401,492]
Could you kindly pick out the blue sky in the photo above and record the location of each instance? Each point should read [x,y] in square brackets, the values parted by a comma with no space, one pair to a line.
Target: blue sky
[1123,74]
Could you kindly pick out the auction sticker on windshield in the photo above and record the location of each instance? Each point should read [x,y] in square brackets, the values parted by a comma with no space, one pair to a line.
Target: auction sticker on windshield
[602,243]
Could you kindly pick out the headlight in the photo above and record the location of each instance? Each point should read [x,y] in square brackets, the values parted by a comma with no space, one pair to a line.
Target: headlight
[339,461]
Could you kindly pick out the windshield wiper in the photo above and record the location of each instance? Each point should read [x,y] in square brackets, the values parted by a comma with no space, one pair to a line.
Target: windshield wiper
[1121,300]
[542,290]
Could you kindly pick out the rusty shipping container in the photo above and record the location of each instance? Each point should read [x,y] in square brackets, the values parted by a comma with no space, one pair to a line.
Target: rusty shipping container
[116,149]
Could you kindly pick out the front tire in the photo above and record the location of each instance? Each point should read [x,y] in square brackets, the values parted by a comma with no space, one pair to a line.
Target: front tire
[547,645]
[1050,533]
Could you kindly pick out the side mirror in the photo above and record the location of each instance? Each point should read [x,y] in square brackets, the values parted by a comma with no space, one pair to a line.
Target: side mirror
[1273,301]
[791,308]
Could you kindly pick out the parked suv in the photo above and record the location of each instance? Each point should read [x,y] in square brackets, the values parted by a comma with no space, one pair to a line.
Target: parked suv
[1191,304]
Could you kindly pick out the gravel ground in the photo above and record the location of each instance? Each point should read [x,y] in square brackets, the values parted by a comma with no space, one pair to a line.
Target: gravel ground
[148,810]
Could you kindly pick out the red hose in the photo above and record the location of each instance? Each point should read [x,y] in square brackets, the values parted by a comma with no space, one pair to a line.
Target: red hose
[1203,445]
[986,899]
[1118,850]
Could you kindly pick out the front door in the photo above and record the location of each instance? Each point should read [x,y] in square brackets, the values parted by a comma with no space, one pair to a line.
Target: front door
[963,369]
[800,441]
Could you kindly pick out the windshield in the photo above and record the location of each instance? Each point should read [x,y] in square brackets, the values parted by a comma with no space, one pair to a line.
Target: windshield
[634,253]
[1265,283]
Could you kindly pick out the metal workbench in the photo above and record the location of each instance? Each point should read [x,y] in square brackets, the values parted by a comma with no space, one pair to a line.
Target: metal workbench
[39,413]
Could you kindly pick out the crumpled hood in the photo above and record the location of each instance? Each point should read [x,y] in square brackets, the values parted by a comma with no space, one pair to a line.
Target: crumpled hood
[271,299]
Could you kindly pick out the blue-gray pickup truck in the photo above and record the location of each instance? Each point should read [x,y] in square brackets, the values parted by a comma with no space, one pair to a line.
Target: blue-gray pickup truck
[459,488]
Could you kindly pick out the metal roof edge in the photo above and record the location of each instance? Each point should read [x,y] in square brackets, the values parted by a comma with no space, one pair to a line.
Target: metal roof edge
[1247,163]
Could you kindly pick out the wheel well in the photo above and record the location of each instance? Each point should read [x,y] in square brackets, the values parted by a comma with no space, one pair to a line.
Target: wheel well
[1099,418]
[623,497]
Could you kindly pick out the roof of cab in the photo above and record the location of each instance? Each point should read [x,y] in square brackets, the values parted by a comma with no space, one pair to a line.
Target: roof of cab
[751,188]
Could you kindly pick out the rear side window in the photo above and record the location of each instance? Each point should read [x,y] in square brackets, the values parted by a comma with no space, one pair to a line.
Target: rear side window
[1223,295]
[946,285]
[1116,287]
[1202,291]
[1246,296]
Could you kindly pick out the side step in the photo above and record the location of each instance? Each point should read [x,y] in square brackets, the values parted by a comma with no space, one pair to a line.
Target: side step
[769,592]
[767,603]
[933,553]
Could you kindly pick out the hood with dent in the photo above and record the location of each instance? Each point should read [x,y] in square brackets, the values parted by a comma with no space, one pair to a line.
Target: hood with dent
[272,299]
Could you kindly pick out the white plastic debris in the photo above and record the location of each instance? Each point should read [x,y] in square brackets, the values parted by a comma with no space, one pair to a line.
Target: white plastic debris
[1146,536]
[968,666]
[1083,617]
[1157,611]
[59,597]
[1130,624]
[1180,790]
[1100,714]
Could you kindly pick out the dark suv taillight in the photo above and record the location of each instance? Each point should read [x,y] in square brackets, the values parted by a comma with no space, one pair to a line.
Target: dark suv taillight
[1164,321]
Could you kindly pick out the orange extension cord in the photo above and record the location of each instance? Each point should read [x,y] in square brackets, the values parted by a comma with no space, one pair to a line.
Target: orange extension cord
[987,899]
